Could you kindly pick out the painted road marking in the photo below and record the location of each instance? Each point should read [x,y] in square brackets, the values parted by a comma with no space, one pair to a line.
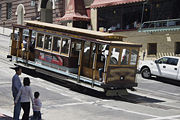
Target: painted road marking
[175,117]
[175,94]
[115,108]
[69,104]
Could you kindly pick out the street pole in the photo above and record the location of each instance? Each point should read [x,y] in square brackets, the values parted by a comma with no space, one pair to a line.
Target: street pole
[142,15]
[3,26]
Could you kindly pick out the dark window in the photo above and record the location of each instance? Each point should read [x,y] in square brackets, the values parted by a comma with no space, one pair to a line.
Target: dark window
[76,47]
[47,42]
[65,45]
[56,44]
[9,10]
[40,40]
[172,61]
[177,48]
[0,11]
[152,48]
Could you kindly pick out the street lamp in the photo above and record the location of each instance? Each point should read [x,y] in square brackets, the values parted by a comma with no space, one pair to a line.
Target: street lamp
[143,12]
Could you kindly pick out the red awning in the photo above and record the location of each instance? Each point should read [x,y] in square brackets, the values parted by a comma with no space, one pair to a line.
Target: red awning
[104,3]
[73,17]
[75,11]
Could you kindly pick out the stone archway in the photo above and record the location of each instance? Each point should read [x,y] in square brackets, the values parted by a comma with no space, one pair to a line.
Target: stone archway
[46,9]
[20,11]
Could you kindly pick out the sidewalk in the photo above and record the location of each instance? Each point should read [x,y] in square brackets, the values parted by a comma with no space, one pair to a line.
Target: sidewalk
[5,117]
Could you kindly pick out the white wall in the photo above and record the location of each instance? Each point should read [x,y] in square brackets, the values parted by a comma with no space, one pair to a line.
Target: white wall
[5,31]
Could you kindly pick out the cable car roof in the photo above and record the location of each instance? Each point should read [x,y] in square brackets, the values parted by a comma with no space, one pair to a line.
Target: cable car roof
[99,37]
[108,36]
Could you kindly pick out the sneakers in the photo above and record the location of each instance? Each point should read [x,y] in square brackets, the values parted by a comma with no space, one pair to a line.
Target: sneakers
[100,79]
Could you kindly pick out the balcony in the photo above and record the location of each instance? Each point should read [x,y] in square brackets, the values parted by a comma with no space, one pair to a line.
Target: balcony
[160,26]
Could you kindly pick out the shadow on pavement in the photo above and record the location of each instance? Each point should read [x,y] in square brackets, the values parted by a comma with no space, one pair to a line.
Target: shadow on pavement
[166,80]
[133,98]
[5,117]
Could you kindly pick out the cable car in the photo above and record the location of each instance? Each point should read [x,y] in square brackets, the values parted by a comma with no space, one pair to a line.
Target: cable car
[101,61]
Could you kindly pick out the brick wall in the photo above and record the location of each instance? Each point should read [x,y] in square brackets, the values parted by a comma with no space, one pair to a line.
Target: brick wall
[30,11]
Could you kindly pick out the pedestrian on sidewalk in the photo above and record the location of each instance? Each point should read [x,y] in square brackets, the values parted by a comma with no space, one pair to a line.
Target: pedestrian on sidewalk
[16,85]
[25,93]
[37,107]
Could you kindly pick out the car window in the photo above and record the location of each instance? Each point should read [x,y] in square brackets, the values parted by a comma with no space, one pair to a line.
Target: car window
[172,61]
[163,60]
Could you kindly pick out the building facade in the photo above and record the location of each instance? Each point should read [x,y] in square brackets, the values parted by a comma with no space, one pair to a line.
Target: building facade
[153,23]
[13,11]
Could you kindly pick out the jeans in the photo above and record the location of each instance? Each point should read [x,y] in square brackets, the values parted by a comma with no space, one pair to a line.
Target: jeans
[17,110]
[36,115]
[26,108]
[100,72]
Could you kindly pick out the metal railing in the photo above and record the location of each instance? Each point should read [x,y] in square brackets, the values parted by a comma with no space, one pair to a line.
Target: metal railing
[160,25]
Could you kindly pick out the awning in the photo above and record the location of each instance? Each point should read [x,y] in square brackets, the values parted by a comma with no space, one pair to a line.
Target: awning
[105,3]
[75,11]
[74,17]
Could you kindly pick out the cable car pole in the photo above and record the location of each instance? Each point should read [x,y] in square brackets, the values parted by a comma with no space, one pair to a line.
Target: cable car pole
[80,61]
[94,65]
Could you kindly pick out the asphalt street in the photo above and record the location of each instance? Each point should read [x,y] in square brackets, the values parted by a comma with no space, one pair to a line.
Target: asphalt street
[152,100]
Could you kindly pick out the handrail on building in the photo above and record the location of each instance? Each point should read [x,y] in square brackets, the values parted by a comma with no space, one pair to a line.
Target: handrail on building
[160,24]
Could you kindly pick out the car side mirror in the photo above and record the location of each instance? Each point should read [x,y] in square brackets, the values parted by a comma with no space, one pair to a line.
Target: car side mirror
[156,61]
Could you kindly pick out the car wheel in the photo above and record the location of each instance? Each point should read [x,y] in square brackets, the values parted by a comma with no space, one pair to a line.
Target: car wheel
[146,73]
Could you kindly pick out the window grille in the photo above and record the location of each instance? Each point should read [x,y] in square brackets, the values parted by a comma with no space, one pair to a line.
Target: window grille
[9,10]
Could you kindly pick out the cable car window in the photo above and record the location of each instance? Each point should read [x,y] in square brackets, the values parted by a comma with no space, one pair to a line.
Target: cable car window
[56,44]
[125,57]
[48,41]
[40,40]
[134,54]
[65,45]
[76,47]
[114,56]
[117,50]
